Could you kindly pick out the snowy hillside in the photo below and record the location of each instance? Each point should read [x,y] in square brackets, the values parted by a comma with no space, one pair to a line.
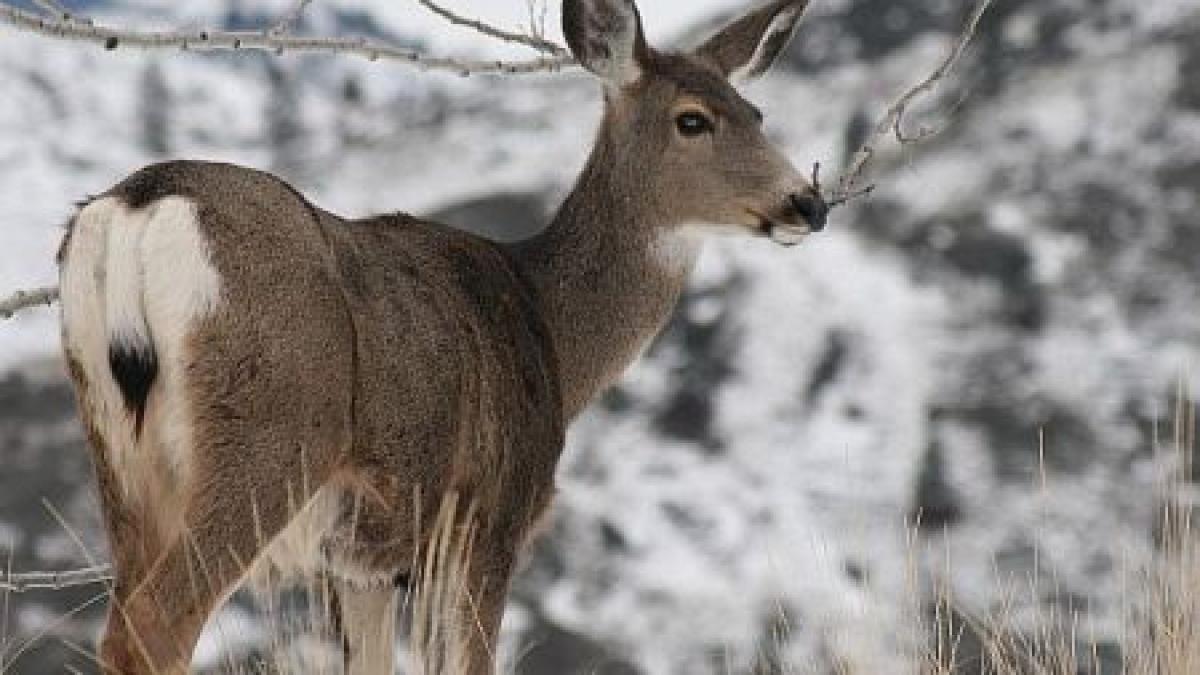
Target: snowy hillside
[986,346]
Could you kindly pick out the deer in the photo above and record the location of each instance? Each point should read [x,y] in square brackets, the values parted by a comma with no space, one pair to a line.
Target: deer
[274,393]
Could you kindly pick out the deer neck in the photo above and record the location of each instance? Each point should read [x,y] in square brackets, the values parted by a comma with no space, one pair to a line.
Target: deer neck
[607,272]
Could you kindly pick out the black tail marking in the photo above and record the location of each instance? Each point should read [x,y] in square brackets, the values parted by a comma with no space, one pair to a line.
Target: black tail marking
[134,367]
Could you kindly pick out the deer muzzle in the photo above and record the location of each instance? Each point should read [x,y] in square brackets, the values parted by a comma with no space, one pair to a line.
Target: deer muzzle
[812,208]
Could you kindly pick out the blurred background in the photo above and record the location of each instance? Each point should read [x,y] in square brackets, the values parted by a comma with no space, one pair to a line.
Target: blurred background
[955,404]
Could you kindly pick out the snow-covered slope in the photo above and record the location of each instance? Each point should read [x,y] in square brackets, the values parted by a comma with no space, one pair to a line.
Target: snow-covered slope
[985,346]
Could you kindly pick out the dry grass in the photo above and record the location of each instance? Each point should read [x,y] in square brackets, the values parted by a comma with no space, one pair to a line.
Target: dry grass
[305,642]
[1163,609]
[1162,603]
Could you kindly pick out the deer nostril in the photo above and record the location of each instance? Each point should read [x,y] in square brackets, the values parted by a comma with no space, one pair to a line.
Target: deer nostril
[812,208]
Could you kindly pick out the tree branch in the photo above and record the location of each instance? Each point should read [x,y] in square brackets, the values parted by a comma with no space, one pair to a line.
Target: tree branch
[532,41]
[538,10]
[53,8]
[289,20]
[892,122]
[277,42]
[54,581]
[26,299]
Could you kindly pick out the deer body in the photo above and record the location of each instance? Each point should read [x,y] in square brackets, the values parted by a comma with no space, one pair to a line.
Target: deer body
[270,389]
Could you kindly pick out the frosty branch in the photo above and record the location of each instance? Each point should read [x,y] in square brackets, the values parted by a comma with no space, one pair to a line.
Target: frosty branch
[56,22]
[54,581]
[533,40]
[287,21]
[892,121]
[26,299]
[52,8]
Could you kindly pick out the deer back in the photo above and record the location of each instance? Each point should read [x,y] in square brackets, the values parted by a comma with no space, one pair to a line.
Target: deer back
[455,369]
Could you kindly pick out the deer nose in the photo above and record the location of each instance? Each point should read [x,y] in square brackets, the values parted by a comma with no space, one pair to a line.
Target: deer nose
[811,207]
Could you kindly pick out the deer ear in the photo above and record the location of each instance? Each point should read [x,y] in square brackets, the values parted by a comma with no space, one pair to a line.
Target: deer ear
[746,48]
[606,38]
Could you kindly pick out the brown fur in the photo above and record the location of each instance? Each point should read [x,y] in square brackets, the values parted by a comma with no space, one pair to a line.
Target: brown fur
[395,361]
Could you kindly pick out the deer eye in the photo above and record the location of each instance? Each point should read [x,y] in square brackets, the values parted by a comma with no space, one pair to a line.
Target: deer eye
[692,124]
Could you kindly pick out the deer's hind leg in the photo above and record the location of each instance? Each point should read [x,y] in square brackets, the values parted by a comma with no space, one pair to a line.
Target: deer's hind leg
[109,357]
[244,416]
[367,626]
[251,475]
[251,479]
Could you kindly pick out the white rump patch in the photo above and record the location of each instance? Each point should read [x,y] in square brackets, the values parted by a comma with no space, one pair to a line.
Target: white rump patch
[83,280]
[182,286]
[138,277]
[124,318]
[182,283]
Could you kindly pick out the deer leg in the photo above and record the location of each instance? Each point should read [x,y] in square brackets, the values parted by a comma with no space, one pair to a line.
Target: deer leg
[368,627]
[485,598]
[133,543]
[457,614]
[224,530]
[131,548]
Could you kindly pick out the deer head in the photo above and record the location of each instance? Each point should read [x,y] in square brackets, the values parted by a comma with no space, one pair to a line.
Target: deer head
[675,122]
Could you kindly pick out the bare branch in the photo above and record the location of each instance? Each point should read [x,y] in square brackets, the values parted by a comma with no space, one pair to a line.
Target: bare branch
[532,41]
[54,581]
[892,122]
[53,8]
[538,11]
[58,11]
[209,40]
[26,299]
[289,20]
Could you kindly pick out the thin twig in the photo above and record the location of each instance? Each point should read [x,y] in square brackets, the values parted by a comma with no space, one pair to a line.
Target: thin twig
[538,10]
[532,41]
[25,646]
[57,10]
[95,573]
[52,8]
[289,20]
[55,581]
[892,122]
[26,299]
[210,40]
